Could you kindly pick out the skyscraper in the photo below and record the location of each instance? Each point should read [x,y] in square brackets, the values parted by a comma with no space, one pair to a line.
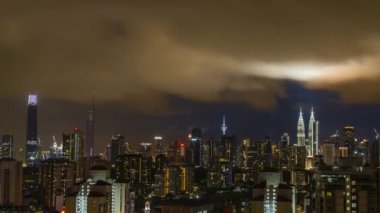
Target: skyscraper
[301,130]
[117,146]
[313,133]
[90,130]
[73,145]
[158,148]
[349,139]
[7,146]
[196,145]
[31,148]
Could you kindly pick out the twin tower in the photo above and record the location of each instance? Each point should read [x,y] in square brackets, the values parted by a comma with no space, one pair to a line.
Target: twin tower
[311,142]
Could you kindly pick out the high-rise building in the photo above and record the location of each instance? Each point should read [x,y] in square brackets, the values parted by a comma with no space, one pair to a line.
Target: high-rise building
[345,191]
[374,153]
[158,148]
[284,150]
[118,146]
[227,156]
[55,150]
[297,156]
[73,145]
[313,136]
[349,139]
[196,145]
[242,155]
[93,194]
[329,153]
[301,130]
[90,130]
[176,151]
[268,198]
[56,177]
[176,179]
[121,197]
[10,182]
[7,146]
[228,147]
[133,168]
[31,147]
[213,145]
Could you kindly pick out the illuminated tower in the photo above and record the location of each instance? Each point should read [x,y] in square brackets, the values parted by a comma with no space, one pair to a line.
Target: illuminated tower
[301,130]
[31,147]
[313,132]
[224,127]
[90,130]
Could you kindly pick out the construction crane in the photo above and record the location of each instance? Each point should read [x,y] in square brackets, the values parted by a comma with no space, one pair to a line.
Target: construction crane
[336,134]
[54,142]
[377,135]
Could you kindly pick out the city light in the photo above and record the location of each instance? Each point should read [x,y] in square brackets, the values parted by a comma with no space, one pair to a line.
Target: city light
[32,100]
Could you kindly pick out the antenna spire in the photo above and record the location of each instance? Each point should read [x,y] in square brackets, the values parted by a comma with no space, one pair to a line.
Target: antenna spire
[224,126]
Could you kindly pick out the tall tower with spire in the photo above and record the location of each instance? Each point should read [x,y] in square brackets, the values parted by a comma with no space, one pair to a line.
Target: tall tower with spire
[90,130]
[31,146]
[224,127]
[313,133]
[301,130]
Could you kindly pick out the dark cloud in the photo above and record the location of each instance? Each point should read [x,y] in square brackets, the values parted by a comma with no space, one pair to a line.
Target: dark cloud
[141,54]
[136,51]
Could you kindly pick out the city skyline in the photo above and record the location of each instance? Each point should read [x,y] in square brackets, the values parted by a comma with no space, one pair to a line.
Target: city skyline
[189,106]
[211,127]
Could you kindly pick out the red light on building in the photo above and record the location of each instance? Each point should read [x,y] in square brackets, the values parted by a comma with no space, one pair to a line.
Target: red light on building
[182,145]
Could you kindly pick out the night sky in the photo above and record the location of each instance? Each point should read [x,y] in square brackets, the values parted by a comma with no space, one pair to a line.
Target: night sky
[163,67]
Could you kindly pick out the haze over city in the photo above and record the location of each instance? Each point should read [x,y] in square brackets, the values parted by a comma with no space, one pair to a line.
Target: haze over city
[243,106]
